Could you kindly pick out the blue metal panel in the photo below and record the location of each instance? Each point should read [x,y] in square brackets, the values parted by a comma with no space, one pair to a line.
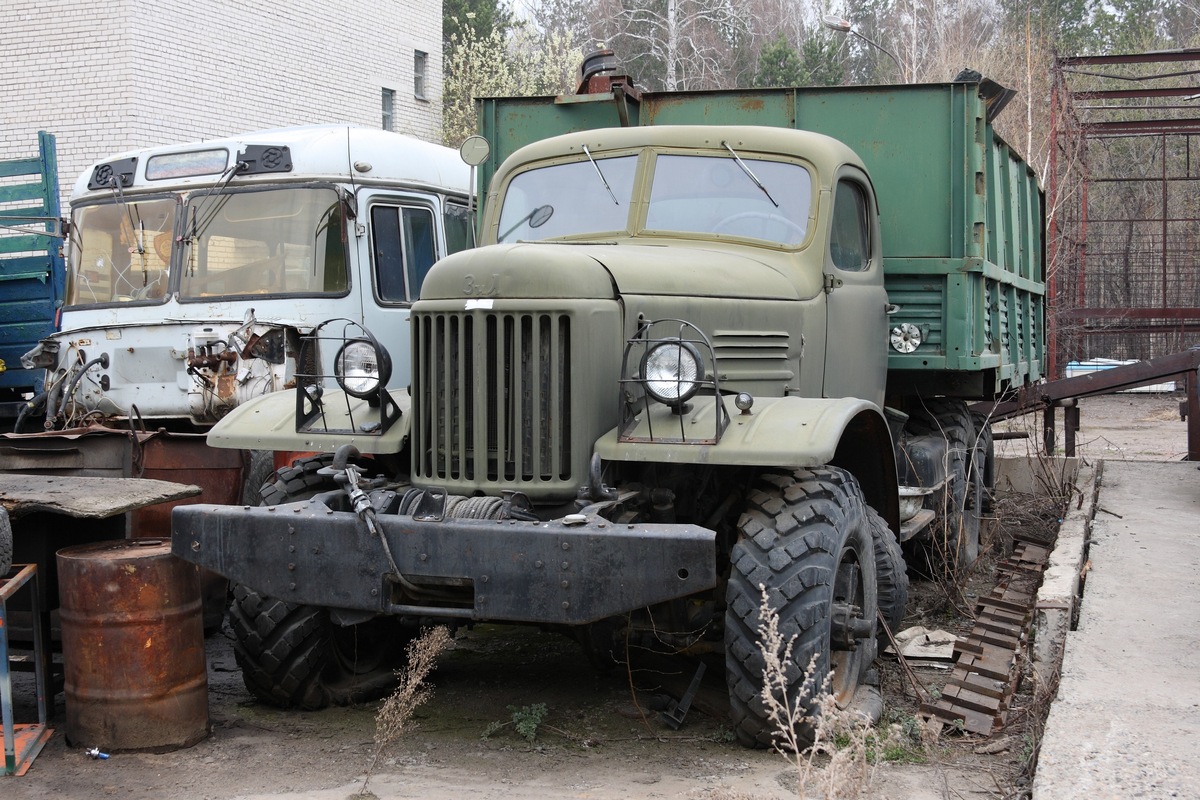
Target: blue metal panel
[32,272]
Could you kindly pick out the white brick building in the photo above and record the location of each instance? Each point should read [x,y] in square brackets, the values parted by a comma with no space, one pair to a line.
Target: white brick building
[124,74]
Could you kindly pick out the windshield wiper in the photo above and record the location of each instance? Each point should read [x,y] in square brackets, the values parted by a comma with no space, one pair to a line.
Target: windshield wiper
[119,196]
[588,153]
[211,212]
[749,174]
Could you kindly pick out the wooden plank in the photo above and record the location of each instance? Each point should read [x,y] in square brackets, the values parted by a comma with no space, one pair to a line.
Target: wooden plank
[20,166]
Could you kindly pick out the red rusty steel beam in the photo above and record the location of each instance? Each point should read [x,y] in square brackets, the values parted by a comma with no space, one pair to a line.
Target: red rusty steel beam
[1147,329]
[1153,57]
[1170,179]
[1182,125]
[1130,313]
[1134,94]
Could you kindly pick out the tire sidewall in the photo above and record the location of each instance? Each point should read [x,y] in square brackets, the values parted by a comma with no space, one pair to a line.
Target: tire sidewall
[825,519]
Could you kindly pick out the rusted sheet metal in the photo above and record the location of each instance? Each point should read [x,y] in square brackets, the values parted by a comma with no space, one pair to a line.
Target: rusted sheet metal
[986,669]
[133,647]
[216,472]
[97,451]
[84,498]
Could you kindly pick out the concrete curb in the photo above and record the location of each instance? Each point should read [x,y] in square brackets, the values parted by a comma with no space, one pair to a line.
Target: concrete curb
[1062,583]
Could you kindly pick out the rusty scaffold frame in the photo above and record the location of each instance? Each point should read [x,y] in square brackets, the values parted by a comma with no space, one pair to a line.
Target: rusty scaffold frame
[1125,229]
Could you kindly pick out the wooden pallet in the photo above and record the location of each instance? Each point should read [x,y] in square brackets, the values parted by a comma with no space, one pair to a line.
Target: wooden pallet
[987,662]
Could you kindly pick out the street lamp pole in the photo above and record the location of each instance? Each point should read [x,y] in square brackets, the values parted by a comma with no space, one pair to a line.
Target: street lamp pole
[835,23]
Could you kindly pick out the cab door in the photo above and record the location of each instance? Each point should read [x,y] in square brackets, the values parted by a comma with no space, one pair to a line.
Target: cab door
[405,236]
[856,322]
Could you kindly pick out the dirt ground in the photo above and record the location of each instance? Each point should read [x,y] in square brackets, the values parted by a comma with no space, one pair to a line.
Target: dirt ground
[599,738]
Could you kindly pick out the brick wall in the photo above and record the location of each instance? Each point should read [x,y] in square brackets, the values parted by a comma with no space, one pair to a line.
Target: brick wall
[124,74]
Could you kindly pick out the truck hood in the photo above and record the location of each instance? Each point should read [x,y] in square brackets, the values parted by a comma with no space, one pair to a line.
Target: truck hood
[557,269]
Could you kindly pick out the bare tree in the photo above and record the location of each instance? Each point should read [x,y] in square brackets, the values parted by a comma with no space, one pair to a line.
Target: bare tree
[678,44]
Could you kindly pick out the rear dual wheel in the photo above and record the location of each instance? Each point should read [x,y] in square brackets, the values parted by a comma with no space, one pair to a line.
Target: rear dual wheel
[955,540]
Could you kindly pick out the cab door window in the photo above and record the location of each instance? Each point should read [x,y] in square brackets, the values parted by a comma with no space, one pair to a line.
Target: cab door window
[403,248]
[460,230]
[850,238]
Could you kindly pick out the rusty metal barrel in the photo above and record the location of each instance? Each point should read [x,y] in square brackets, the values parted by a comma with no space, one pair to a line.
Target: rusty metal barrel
[134,671]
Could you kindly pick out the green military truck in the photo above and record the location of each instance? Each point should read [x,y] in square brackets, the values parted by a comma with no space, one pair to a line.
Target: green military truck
[715,345]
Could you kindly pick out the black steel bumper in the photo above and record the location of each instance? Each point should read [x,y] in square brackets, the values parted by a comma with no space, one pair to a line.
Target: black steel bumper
[544,572]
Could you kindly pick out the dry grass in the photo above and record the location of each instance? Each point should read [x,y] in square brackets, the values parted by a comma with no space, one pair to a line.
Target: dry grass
[394,715]
[833,751]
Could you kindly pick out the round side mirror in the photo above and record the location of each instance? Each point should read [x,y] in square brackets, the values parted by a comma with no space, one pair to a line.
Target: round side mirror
[475,150]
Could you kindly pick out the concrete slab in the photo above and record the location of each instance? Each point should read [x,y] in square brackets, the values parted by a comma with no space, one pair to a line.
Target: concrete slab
[1126,719]
[85,498]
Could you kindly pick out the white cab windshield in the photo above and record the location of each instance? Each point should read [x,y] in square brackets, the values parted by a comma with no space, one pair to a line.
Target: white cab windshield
[288,241]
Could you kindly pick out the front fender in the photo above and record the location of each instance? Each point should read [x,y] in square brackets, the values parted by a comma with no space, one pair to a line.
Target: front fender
[269,423]
[777,432]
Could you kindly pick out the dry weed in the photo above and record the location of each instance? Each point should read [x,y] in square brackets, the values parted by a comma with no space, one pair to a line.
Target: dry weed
[834,751]
[395,713]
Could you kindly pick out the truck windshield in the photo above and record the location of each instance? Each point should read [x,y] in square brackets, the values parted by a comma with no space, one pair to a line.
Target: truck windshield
[568,199]
[757,198]
[273,241]
[120,251]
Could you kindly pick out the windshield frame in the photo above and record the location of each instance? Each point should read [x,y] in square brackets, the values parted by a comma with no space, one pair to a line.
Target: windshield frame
[188,242]
[641,195]
[750,159]
[77,250]
[588,163]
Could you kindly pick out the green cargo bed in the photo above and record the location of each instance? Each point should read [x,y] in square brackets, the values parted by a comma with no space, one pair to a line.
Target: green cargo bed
[962,215]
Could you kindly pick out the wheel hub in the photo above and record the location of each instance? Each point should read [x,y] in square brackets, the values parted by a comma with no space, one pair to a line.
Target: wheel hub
[848,627]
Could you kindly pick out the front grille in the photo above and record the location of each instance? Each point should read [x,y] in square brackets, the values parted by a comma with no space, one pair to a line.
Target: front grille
[492,397]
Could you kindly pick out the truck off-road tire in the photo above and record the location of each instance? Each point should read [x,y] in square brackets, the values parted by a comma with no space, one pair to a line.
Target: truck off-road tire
[260,467]
[297,482]
[805,538]
[6,543]
[294,656]
[956,540]
[891,576]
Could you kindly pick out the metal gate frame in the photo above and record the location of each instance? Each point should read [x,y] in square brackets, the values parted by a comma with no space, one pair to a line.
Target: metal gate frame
[1096,100]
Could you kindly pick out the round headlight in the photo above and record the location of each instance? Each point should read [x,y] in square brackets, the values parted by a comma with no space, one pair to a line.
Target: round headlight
[361,368]
[672,372]
[905,337]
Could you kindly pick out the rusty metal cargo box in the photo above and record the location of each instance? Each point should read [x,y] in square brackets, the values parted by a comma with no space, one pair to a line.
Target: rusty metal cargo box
[962,215]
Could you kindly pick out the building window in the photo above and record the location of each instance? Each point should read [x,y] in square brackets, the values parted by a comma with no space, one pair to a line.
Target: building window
[389,108]
[419,60]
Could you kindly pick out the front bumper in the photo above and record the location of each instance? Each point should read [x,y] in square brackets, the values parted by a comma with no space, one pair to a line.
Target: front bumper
[539,572]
